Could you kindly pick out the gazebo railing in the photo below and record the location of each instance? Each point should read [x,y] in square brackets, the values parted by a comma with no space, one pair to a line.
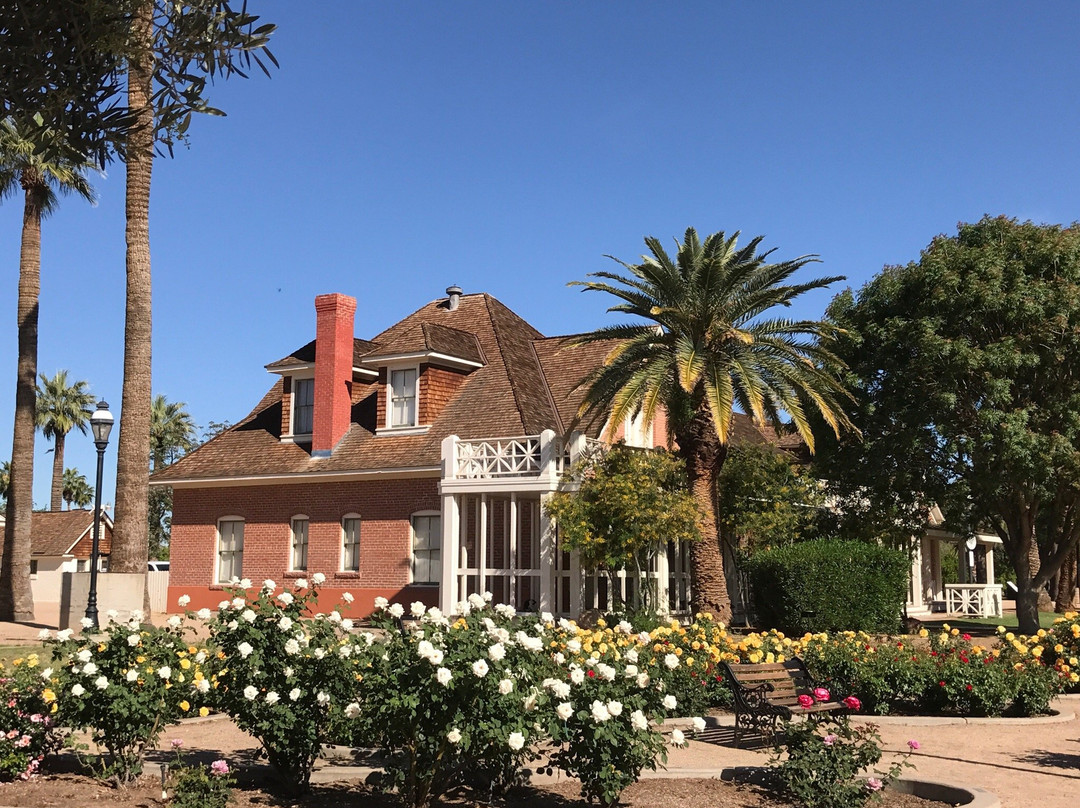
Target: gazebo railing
[977,600]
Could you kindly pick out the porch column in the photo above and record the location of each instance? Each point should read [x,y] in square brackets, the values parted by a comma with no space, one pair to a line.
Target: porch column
[511,583]
[575,586]
[451,534]
[481,547]
[547,554]
[663,582]
[549,456]
[991,574]
[915,596]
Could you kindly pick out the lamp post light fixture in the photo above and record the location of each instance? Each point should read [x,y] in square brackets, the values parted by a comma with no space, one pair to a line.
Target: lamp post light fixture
[101,424]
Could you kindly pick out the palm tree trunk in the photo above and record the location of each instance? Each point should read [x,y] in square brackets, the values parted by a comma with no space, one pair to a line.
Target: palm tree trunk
[129,548]
[56,499]
[1066,585]
[704,455]
[16,596]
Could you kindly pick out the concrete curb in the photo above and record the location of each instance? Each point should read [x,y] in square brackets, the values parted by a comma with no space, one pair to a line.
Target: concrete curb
[1063,715]
[951,793]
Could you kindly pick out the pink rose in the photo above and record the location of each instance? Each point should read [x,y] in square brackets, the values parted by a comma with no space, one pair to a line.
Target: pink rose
[913,745]
[829,739]
[852,703]
[219,768]
[806,701]
[821,694]
[874,784]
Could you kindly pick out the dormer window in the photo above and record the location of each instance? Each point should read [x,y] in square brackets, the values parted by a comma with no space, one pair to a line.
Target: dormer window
[303,406]
[403,397]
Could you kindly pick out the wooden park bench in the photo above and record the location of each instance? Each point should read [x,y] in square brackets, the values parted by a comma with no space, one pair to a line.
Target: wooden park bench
[767,693]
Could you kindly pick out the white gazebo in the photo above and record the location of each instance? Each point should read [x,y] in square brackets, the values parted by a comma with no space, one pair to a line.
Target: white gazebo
[976,595]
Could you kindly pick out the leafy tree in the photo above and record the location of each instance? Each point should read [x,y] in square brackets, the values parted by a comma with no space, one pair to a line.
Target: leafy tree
[42,182]
[77,491]
[630,503]
[213,429]
[172,435]
[765,500]
[710,348]
[966,368]
[176,48]
[61,407]
[5,480]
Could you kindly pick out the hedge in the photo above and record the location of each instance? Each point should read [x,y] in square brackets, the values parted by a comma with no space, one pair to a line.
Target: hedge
[829,586]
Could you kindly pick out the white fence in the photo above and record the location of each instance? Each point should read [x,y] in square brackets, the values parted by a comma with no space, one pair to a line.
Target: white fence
[157,582]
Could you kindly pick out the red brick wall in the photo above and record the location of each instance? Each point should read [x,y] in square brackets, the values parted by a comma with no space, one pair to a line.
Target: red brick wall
[83,546]
[438,386]
[385,536]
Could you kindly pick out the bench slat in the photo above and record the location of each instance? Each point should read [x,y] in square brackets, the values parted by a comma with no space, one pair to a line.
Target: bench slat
[763,676]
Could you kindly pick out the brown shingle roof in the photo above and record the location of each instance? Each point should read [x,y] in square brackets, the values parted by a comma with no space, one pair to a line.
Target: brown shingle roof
[306,355]
[53,533]
[422,337]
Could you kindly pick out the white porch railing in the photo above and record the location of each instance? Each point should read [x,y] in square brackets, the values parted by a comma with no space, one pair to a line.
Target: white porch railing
[978,600]
[498,457]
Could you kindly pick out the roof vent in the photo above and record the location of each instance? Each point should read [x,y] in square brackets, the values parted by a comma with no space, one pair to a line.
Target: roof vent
[455,297]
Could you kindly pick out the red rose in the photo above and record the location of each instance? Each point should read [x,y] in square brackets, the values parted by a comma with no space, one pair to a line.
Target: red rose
[852,703]
[591,673]
[968,687]
[806,701]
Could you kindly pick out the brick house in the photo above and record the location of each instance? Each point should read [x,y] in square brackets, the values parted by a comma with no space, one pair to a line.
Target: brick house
[412,466]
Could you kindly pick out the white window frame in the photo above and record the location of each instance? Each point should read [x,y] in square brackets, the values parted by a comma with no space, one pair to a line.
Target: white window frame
[390,371]
[218,550]
[435,563]
[345,541]
[294,408]
[293,566]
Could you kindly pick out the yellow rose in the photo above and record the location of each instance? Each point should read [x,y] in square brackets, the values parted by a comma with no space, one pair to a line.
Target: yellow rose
[185,706]
[204,711]
[185,663]
[48,696]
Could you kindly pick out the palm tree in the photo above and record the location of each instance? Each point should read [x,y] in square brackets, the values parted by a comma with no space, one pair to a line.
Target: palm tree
[41,182]
[77,491]
[172,432]
[5,480]
[708,349]
[61,407]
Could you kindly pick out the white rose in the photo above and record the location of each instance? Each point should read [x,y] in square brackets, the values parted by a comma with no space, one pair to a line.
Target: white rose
[238,603]
[643,680]
[292,646]
[132,675]
[224,604]
[86,622]
[44,634]
[245,649]
[164,671]
[133,640]
[670,702]
[561,690]
[300,583]
[203,685]
[607,673]
[615,708]
[565,710]
[396,610]
[318,653]
[294,694]
[347,624]
[547,617]
[699,724]
[248,616]
[487,596]
[272,697]
[434,615]
[497,652]
[480,668]
[175,621]
[515,741]
[286,598]
[638,721]
[560,658]
[671,661]
[677,738]
[64,635]
[345,651]
[577,676]
[352,710]
[200,657]
[101,683]
[77,689]
[436,657]
[454,736]
[574,646]
[443,676]
[644,638]
[322,698]
[183,601]
[285,623]
[476,601]
[529,704]
[600,712]
[89,669]
[83,655]
[347,597]
[381,603]
[417,609]
[289,672]
[231,625]
[250,692]
[203,614]
[245,583]
[47,674]
[269,585]
[625,627]
[334,616]
[318,579]
[505,686]
[632,656]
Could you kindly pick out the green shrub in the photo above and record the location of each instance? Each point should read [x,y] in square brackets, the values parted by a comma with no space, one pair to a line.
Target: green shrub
[829,586]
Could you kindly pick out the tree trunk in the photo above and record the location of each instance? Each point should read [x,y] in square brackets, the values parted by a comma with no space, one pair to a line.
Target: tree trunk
[1066,586]
[129,546]
[704,454]
[56,498]
[16,596]
[1027,607]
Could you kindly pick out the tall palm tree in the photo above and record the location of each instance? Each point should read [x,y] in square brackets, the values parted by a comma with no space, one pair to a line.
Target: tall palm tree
[172,431]
[710,348]
[41,183]
[77,491]
[61,407]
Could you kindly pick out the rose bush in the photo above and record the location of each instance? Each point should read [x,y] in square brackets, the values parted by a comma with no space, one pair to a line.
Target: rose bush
[282,674]
[28,733]
[124,685]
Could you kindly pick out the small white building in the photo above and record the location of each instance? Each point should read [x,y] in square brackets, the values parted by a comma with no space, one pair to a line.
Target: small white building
[60,542]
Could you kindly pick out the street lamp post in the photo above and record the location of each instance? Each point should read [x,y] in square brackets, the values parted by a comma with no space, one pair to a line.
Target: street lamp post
[101,423]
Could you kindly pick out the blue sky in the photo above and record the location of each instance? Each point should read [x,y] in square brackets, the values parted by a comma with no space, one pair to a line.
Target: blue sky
[507,147]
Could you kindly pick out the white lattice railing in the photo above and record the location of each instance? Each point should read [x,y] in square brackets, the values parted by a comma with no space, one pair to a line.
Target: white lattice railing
[498,457]
[980,600]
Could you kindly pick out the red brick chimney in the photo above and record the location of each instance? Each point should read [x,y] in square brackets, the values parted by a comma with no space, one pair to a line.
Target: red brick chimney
[334,315]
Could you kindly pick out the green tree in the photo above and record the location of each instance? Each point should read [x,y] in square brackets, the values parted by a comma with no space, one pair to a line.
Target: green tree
[61,407]
[708,349]
[765,499]
[42,183]
[77,491]
[966,368]
[175,49]
[628,505]
[5,480]
[172,435]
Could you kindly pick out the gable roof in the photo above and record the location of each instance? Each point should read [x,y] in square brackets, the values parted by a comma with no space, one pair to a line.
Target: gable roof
[525,383]
[55,533]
